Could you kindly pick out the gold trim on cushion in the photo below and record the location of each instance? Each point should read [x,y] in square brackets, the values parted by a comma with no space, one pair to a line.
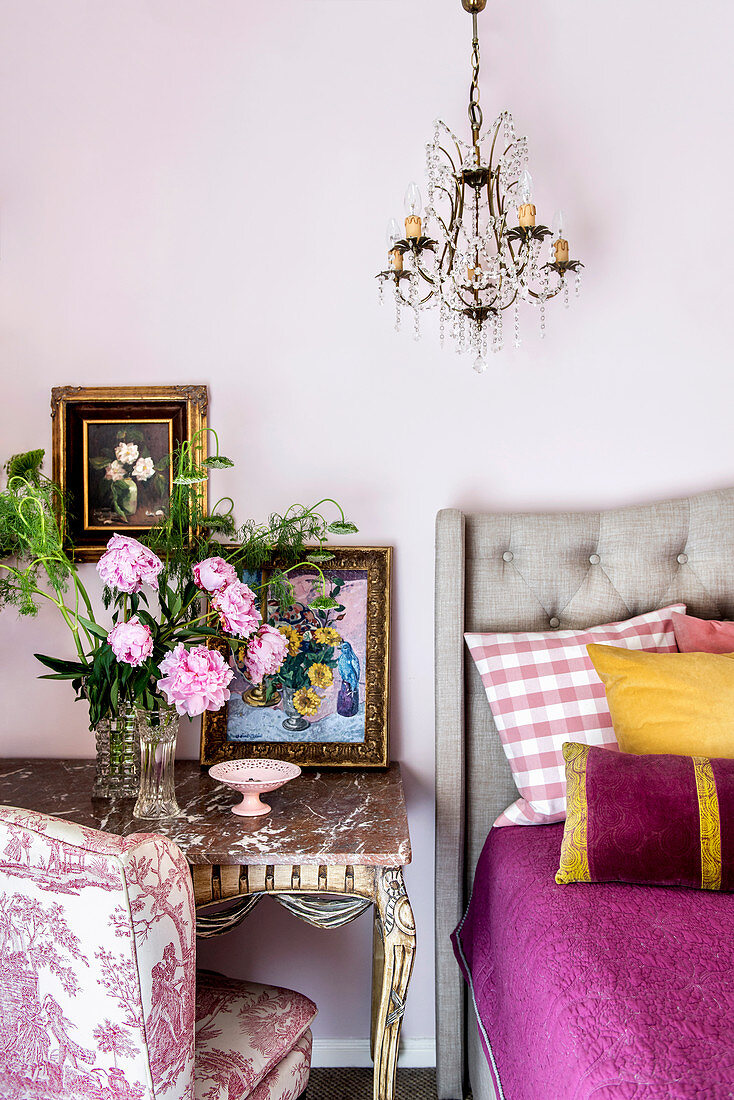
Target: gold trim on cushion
[574,865]
[708,812]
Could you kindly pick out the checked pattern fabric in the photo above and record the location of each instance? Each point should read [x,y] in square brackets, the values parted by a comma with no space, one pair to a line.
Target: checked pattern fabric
[544,691]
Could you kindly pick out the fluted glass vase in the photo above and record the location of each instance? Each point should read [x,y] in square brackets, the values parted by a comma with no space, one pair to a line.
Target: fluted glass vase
[117,774]
[157,731]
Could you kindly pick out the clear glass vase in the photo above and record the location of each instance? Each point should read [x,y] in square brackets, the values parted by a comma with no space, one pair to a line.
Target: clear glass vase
[117,774]
[157,731]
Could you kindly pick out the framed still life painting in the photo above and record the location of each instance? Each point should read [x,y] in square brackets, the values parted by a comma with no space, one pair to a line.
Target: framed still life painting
[112,449]
[328,704]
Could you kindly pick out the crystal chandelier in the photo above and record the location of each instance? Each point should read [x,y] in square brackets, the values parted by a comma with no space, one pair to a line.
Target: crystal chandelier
[466,255]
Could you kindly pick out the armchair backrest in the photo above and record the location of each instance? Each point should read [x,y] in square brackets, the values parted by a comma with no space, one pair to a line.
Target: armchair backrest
[97,963]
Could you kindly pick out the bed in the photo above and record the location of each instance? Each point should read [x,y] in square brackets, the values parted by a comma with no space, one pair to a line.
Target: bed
[520,572]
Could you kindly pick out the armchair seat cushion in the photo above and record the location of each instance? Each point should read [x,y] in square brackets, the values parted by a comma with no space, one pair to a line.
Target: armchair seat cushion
[244,1031]
[290,1077]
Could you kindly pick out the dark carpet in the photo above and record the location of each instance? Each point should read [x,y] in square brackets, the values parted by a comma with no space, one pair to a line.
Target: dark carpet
[356,1084]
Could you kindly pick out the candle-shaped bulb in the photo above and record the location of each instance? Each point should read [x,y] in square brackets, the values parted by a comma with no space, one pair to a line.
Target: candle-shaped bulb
[525,187]
[560,244]
[413,204]
[558,225]
[392,233]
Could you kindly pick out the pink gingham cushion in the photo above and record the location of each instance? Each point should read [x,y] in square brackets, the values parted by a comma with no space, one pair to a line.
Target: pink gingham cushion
[543,690]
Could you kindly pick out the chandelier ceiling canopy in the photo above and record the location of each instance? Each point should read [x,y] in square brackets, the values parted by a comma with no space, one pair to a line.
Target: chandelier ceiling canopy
[476,251]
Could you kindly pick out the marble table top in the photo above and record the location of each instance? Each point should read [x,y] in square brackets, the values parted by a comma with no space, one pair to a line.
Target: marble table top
[340,816]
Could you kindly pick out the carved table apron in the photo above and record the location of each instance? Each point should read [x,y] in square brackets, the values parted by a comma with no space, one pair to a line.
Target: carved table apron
[334,844]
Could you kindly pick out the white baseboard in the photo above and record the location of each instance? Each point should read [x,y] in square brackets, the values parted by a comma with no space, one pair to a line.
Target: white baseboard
[414,1053]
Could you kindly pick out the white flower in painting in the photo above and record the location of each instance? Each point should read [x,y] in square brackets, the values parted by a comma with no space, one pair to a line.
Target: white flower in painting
[143,469]
[114,472]
[127,453]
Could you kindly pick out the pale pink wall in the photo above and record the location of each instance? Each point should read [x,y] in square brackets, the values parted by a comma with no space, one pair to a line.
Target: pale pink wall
[197,192]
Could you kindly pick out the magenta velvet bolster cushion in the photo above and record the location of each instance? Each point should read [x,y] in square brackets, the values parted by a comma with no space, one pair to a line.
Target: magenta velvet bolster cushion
[661,820]
[703,635]
[613,992]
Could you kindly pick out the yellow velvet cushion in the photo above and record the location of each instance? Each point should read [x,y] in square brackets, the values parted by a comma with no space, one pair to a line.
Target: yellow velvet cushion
[680,703]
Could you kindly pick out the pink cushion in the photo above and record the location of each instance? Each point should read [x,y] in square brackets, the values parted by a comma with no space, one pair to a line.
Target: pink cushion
[290,1077]
[543,690]
[243,1031]
[703,635]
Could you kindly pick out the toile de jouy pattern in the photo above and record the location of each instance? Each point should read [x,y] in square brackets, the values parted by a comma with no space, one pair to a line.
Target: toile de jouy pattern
[244,1031]
[97,963]
[290,1077]
[98,978]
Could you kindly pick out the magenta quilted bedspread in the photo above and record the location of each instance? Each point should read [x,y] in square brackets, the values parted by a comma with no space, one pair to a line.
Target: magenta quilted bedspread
[597,992]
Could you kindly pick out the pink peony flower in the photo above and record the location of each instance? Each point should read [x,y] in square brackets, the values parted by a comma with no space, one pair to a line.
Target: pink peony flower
[235,605]
[132,642]
[265,653]
[211,574]
[195,680]
[126,565]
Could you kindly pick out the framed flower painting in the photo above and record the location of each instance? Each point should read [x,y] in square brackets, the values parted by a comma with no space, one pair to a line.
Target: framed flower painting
[112,450]
[327,706]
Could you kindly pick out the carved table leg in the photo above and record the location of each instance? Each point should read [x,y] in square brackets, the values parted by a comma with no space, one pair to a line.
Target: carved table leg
[393,963]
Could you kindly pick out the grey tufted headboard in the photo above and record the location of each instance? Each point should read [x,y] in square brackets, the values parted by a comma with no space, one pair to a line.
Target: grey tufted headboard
[539,572]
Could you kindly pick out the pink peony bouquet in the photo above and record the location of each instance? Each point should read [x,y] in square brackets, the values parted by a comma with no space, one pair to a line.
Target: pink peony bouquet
[170,595]
[168,651]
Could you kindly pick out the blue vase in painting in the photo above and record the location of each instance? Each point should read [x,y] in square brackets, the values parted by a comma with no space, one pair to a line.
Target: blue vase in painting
[347,701]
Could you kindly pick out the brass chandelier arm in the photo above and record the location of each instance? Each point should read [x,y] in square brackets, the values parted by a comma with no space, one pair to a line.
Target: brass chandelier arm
[442,223]
[547,294]
[498,211]
[491,152]
[449,158]
[452,217]
[421,301]
[446,153]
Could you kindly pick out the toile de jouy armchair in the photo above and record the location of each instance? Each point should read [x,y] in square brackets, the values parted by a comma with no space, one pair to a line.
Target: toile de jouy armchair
[99,994]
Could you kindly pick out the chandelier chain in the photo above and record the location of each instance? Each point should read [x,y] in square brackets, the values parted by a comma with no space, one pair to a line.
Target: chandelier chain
[475,111]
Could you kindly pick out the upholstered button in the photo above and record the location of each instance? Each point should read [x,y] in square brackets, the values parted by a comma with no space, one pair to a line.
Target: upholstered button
[594,559]
[554,622]
[682,559]
[508,555]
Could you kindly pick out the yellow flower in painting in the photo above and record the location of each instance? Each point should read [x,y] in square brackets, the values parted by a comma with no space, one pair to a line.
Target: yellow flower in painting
[307,701]
[320,676]
[326,635]
[292,637]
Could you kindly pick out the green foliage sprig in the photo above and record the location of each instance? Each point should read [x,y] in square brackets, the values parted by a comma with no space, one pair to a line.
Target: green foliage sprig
[33,517]
[190,532]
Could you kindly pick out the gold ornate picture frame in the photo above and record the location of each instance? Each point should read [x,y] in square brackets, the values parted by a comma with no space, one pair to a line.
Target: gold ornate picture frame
[350,727]
[111,448]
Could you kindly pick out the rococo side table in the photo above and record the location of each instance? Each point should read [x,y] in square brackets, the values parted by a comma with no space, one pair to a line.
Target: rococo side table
[334,845]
